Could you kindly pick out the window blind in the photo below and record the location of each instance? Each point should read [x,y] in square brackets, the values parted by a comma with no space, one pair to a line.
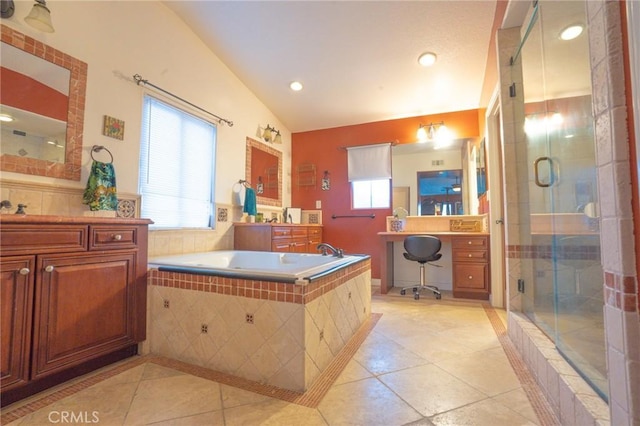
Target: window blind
[177,161]
[369,162]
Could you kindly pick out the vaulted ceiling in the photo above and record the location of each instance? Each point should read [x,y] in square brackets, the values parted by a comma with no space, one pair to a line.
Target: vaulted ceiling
[357,60]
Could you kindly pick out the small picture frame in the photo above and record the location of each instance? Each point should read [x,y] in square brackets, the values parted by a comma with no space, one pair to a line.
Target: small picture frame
[113,128]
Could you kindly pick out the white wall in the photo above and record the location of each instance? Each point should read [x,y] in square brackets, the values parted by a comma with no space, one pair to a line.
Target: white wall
[118,39]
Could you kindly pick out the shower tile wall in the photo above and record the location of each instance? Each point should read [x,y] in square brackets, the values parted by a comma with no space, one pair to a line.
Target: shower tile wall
[619,283]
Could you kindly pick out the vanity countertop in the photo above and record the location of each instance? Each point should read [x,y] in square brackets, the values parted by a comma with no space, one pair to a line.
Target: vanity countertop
[274,224]
[30,219]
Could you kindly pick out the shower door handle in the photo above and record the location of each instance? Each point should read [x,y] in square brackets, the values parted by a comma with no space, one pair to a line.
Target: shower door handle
[536,169]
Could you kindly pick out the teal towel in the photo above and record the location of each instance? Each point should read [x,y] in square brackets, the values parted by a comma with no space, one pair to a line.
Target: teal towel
[101,193]
[250,206]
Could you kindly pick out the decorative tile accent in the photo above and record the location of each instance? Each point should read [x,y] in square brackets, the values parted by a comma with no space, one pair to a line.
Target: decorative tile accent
[126,208]
[223,214]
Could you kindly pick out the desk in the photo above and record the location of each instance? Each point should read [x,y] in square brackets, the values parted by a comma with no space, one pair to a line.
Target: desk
[470,257]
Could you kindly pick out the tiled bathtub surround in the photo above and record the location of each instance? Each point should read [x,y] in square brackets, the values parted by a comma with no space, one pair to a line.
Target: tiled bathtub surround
[278,334]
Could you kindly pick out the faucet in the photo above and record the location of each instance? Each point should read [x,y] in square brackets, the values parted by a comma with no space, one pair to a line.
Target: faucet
[325,247]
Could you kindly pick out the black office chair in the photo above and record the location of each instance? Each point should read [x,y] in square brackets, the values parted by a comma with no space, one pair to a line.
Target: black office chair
[422,249]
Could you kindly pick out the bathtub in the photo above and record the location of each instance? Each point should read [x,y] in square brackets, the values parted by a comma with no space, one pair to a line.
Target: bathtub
[274,318]
[256,265]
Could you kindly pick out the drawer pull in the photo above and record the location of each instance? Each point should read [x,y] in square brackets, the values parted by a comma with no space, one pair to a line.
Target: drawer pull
[116,237]
[469,242]
[49,268]
[470,255]
[470,277]
[24,271]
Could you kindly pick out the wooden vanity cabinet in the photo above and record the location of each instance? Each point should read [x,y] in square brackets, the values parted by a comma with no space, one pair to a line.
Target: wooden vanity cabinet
[470,255]
[73,298]
[277,238]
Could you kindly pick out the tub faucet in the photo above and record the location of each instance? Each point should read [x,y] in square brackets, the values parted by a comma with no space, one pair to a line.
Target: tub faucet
[324,248]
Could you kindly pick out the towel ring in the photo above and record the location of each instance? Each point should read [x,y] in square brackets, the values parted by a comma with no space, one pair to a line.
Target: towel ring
[98,148]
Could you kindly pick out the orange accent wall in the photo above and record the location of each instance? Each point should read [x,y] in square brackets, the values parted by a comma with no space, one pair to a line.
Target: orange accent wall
[325,149]
[25,93]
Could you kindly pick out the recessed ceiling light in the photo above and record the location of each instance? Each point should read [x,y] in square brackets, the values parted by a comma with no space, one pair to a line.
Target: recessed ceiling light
[296,86]
[427,59]
[6,118]
[571,32]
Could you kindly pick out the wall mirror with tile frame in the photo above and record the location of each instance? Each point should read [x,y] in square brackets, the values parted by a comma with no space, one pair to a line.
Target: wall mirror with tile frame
[264,172]
[45,138]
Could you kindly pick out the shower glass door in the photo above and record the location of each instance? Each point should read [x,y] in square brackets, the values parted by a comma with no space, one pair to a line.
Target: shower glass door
[563,289]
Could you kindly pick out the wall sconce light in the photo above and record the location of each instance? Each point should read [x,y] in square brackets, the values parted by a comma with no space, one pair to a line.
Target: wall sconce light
[40,17]
[7,8]
[267,135]
[436,132]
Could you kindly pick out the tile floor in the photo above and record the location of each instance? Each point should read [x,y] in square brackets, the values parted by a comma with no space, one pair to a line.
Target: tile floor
[424,362]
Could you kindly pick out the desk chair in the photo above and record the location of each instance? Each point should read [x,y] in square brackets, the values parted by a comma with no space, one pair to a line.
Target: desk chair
[422,249]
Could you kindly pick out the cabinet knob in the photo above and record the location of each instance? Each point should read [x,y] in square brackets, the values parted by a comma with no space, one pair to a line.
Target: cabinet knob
[469,242]
[470,277]
[49,268]
[116,237]
[24,271]
[470,255]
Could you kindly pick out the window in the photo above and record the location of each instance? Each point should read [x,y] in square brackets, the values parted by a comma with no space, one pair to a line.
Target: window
[371,194]
[369,169]
[177,164]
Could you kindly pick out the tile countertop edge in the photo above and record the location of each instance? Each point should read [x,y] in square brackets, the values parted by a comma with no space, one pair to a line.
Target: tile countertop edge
[26,219]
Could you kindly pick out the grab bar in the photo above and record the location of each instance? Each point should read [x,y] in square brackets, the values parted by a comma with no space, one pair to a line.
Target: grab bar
[372,216]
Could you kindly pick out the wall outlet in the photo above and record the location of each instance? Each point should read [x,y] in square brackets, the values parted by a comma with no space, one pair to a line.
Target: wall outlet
[318,204]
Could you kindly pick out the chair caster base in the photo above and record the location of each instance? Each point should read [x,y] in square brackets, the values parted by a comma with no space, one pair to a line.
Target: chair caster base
[403,292]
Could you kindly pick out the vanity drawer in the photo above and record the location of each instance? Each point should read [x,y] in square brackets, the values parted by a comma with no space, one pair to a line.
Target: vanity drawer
[470,242]
[113,237]
[470,256]
[314,232]
[30,239]
[470,277]
[288,231]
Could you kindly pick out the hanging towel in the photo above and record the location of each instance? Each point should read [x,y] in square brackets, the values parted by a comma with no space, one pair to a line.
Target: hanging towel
[101,193]
[250,202]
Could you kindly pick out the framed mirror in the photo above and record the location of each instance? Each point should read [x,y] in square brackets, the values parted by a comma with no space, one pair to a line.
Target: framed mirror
[43,90]
[264,172]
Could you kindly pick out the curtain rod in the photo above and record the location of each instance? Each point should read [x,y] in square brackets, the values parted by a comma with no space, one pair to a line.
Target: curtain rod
[392,143]
[139,80]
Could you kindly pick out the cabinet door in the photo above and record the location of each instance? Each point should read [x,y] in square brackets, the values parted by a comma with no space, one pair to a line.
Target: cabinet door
[84,308]
[16,300]
[315,238]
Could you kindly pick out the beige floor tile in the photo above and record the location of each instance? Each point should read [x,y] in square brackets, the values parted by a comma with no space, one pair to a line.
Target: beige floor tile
[484,413]
[379,354]
[493,378]
[365,402]
[234,397]
[352,372]
[273,412]
[106,404]
[214,418]
[517,401]
[431,390]
[173,397]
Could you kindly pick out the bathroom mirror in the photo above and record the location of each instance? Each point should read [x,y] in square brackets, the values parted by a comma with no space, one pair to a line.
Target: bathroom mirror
[264,172]
[428,173]
[45,95]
